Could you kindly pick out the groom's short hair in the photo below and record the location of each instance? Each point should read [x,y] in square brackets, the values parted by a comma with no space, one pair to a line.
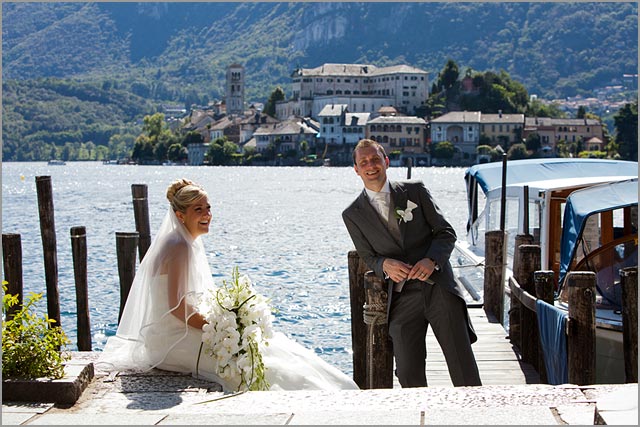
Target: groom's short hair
[364,143]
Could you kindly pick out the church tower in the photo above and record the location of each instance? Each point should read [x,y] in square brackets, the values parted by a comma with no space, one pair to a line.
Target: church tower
[234,98]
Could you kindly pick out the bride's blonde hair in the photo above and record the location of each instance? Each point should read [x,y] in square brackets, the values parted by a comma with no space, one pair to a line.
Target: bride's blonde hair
[182,193]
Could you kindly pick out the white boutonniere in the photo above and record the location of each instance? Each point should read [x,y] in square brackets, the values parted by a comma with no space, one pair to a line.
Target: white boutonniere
[406,215]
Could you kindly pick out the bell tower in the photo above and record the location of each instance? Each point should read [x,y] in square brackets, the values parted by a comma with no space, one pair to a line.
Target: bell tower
[234,94]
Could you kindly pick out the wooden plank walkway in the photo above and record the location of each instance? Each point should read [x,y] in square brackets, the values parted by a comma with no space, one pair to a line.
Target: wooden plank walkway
[499,362]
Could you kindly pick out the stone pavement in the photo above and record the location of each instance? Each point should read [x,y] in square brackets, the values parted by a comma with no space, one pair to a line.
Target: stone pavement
[165,398]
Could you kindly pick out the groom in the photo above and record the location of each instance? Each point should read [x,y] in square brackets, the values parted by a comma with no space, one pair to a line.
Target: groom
[400,233]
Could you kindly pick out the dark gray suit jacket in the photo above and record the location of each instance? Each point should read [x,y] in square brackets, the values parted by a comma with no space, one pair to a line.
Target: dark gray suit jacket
[427,235]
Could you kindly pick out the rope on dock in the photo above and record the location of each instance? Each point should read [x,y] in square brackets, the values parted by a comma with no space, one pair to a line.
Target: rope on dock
[373,314]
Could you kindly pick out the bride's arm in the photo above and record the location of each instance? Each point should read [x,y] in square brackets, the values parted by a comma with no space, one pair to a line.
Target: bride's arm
[178,276]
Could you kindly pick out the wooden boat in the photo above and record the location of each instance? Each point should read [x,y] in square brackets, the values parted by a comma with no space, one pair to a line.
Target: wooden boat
[600,234]
[56,162]
[534,198]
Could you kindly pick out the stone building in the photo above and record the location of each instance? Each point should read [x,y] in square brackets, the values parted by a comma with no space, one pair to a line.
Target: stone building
[234,89]
[363,88]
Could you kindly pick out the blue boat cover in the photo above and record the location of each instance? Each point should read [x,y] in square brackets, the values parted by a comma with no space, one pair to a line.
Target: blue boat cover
[588,201]
[521,172]
[552,326]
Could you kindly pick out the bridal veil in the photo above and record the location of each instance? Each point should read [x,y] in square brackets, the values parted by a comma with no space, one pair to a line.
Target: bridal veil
[146,332]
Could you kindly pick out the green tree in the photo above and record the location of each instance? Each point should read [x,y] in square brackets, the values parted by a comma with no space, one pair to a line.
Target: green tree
[444,150]
[222,152]
[537,108]
[270,106]
[192,137]
[496,92]
[304,146]
[626,123]
[176,152]
[448,77]
[533,142]
[153,125]
[517,151]
[435,105]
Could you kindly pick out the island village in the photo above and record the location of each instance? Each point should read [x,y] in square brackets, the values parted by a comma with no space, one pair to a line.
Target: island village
[331,107]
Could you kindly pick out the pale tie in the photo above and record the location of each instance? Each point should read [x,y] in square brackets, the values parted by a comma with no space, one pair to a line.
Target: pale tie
[382,205]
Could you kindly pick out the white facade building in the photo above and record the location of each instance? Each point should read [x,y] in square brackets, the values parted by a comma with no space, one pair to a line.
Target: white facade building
[364,88]
[340,127]
[461,128]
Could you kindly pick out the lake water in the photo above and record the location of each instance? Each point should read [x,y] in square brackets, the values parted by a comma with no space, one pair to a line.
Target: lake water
[281,226]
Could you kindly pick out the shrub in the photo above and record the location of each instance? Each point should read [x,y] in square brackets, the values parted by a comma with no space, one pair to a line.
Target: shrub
[30,344]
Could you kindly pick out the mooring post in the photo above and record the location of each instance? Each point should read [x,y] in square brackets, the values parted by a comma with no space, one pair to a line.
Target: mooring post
[493,280]
[529,263]
[48,233]
[545,285]
[629,281]
[581,334]
[12,262]
[379,349]
[141,215]
[79,252]
[515,308]
[126,244]
[357,268]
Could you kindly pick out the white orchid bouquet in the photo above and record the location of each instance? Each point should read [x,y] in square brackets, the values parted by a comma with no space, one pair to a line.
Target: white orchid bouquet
[239,327]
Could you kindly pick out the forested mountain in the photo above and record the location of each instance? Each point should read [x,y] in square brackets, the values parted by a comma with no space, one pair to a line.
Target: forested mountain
[149,53]
[554,49]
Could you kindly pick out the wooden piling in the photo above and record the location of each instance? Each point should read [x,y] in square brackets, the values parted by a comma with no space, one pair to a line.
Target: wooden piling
[379,348]
[409,165]
[493,278]
[629,282]
[528,264]
[515,307]
[48,234]
[141,214]
[79,252]
[545,285]
[126,245]
[12,263]
[357,268]
[581,333]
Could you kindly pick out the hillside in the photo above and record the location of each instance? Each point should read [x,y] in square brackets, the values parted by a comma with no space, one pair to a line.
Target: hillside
[78,72]
[577,46]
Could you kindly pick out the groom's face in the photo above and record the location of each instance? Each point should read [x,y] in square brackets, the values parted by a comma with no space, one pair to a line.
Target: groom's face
[371,166]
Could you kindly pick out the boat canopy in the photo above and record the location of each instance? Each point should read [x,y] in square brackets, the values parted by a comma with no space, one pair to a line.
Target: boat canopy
[542,174]
[522,172]
[586,202]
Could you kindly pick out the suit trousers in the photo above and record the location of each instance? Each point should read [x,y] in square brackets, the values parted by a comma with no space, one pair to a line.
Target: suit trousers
[412,311]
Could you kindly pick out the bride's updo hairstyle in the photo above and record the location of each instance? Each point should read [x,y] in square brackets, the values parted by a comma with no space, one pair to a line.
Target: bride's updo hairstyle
[182,193]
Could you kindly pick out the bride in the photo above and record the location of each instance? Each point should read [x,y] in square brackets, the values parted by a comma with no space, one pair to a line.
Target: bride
[161,326]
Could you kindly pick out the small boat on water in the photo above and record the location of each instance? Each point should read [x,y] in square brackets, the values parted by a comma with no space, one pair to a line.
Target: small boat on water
[56,162]
[536,196]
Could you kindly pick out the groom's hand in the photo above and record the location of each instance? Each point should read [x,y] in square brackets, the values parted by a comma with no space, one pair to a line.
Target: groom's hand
[396,270]
[422,269]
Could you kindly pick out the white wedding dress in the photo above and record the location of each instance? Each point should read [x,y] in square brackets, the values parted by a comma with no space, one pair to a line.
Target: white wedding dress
[150,336]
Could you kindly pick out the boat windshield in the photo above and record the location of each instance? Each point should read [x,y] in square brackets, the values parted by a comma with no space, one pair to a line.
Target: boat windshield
[607,262]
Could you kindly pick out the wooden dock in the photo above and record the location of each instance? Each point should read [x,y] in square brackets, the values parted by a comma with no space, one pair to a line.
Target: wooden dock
[499,362]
